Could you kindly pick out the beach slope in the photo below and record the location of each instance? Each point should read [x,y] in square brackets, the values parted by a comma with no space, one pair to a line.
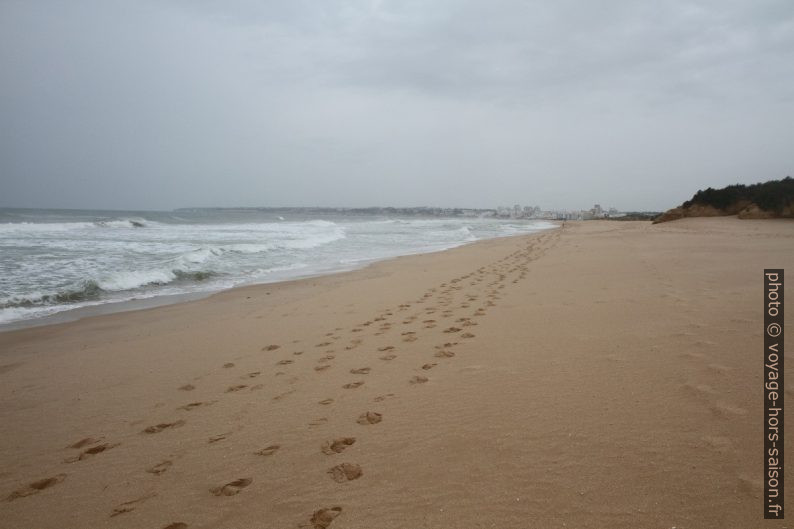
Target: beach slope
[606,374]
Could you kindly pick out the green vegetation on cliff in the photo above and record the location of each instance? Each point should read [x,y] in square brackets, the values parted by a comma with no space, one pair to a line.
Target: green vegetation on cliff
[771,199]
[773,196]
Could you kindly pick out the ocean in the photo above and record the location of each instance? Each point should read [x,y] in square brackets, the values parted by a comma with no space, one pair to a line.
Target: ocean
[53,261]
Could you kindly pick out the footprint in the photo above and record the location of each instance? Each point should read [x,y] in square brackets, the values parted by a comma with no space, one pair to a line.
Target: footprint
[388,357]
[322,518]
[325,402]
[282,395]
[36,487]
[719,368]
[319,421]
[452,329]
[337,446]
[176,525]
[345,472]
[361,371]
[157,428]
[219,437]
[128,506]
[322,367]
[228,365]
[253,374]
[751,487]
[693,356]
[231,488]
[444,354]
[232,389]
[418,379]
[369,417]
[271,347]
[284,362]
[90,452]
[700,390]
[428,366]
[159,468]
[85,442]
[194,405]
[354,385]
[381,398]
[725,410]
[467,335]
[9,367]
[187,387]
[386,348]
[722,445]
[268,450]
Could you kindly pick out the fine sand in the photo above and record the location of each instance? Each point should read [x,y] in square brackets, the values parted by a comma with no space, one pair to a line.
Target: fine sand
[602,375]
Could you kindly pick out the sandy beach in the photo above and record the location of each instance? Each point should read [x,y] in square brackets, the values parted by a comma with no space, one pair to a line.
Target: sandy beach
[605,374]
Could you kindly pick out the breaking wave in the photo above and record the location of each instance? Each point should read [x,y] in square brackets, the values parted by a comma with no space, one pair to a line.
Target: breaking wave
[92,290]
[121,223]
[44,227]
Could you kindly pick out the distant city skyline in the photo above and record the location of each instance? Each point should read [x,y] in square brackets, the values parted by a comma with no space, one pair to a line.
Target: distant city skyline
[515,211]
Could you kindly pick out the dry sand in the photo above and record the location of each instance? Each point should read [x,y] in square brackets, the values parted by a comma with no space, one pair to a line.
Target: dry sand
[604,375]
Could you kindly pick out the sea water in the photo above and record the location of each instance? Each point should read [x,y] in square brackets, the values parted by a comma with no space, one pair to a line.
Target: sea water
[57,260]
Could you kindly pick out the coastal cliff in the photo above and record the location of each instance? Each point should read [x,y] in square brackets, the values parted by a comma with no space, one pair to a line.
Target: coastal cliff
[772,199]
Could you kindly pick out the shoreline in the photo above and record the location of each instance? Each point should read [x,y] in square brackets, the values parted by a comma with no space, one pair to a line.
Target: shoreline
[160,300]
[596,375]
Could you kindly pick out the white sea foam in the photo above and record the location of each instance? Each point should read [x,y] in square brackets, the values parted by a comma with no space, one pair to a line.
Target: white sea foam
[135,279]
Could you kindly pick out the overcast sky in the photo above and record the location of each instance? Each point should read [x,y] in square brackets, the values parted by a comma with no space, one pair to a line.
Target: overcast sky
[164,104]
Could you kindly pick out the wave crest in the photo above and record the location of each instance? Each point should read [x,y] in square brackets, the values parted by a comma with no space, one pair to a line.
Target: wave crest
[87,291]
[122,223]
[92,290]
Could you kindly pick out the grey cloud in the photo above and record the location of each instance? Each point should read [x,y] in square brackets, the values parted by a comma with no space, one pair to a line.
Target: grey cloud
[168,104]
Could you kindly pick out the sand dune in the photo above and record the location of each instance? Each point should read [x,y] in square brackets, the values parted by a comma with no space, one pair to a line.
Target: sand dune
[607,374]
